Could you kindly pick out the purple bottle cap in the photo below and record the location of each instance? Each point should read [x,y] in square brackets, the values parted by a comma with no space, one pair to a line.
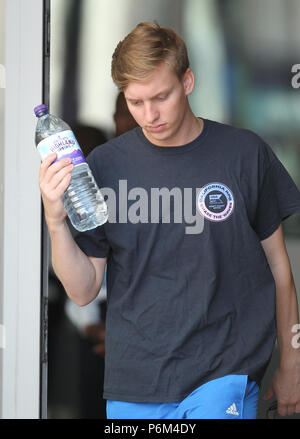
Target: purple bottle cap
[40,109]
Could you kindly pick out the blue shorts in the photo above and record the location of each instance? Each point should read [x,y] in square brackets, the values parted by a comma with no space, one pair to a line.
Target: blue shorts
[229,397]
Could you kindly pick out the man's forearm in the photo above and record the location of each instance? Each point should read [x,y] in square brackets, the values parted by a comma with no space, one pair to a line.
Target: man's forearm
[73,267]
[285,383]
[287,317]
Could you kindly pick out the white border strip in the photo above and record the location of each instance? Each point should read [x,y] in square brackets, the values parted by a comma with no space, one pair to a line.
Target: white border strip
[20,391]
[2,337]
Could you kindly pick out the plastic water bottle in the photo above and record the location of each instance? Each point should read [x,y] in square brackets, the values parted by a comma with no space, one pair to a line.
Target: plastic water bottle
[82,200]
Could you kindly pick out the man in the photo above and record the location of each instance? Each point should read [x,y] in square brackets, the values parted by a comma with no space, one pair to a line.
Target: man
[196,260]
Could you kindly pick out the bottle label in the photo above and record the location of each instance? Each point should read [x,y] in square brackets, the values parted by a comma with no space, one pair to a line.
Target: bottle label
[64,144]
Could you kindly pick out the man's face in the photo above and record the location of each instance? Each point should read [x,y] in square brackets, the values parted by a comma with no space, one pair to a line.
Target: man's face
[160,106]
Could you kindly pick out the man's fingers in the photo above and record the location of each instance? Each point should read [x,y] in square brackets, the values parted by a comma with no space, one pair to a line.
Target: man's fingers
[50,169]
[285,409]
[63,185]
[46,163]
[282,409]
[291,409]
[56,171]
[59,176]
[55,174]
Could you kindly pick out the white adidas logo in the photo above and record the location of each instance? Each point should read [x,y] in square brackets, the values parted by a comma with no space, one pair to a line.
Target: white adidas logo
[232,410]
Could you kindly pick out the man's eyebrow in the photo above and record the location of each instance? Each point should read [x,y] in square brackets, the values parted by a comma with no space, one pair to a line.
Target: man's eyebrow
[162,92]
[131,99]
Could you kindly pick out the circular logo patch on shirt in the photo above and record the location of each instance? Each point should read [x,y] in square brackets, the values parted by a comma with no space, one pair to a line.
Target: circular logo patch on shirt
[215,201]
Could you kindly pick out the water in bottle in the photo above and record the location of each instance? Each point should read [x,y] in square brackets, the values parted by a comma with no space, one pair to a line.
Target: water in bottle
[82,200]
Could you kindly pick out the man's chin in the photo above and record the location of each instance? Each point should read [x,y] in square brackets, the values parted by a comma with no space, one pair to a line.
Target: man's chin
[157,137]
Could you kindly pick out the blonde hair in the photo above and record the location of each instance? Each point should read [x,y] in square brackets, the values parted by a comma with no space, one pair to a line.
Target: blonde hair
[144,49]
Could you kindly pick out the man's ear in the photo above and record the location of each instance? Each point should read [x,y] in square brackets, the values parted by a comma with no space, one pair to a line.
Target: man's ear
[188,81]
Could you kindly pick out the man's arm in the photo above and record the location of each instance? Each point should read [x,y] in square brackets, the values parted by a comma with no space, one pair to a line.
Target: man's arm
[80,275]
[286,381]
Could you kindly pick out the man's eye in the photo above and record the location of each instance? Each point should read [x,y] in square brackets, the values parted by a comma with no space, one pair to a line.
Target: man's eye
[136,103]
[162,97]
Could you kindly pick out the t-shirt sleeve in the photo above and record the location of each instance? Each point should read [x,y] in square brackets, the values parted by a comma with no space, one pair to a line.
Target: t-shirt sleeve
[93,242]
[278,196]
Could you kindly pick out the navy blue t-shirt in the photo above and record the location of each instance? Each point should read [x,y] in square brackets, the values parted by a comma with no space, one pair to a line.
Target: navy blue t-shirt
[190,293]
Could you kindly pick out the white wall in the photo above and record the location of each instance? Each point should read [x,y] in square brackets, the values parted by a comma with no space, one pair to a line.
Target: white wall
[2,85]
[20,211]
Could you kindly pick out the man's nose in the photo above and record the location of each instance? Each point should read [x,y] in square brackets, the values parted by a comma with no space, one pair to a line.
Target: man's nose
[151,113]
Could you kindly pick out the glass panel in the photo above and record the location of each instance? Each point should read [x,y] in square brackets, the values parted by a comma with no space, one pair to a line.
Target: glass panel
[241,52]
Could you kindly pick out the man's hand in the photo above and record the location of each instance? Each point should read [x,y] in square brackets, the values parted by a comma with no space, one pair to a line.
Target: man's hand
[285,384]
[53,181]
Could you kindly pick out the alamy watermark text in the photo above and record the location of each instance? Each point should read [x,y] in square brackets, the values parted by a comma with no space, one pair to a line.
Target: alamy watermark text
[164,205]
[296,77]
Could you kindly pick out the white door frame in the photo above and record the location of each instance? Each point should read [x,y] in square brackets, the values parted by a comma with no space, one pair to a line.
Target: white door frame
[20,208]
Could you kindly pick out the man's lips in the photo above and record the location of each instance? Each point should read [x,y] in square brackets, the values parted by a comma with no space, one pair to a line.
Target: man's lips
[157,128]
